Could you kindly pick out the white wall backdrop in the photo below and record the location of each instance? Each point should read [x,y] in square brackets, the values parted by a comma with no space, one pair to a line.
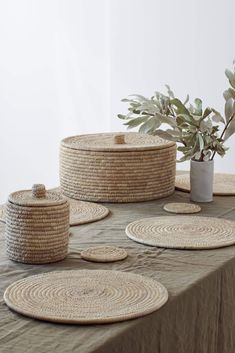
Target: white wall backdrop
[65,65]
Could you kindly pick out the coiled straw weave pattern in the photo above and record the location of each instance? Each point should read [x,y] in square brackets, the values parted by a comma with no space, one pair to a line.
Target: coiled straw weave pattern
[86,296]
[183,232]
[136,169]
[37,234]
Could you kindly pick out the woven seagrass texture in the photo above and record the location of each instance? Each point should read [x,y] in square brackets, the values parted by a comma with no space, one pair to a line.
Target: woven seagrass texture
[131,141]
[183,232]
[117,174]
[82,212]
[86,296]
[182,207]
[224,184]
[3,213]
[37,234]
[104,254]
[36,197]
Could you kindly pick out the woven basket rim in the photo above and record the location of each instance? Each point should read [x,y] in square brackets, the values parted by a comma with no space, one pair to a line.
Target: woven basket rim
[26,200]
[159,144]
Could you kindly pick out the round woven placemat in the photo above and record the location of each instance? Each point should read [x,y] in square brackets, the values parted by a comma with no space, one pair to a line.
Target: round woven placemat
[182,207]
[224,184]
[82,212]
[183,232]
[85,296]
[3,213]
[104,254]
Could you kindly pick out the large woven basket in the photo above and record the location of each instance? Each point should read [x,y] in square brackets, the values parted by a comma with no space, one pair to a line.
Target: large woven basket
[112,167]
[37,226]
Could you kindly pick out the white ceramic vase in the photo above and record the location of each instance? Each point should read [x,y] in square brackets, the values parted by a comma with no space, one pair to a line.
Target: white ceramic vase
[201,181]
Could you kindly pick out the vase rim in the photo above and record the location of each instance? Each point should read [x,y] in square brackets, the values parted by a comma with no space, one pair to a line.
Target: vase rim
[210,161]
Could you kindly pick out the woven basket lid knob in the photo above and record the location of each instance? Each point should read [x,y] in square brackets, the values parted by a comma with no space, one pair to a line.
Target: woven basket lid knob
[39,191]
[119,139]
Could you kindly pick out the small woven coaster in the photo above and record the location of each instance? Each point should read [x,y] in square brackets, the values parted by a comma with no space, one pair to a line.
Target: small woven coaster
[183,232]
[86,296]
[3,213]
[224,184]
[182,207]
[82,212]
[104,254]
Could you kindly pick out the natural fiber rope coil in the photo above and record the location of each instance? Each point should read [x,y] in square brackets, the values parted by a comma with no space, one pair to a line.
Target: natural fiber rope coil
[81,212]
[86,297]
[105,253]
[126,167]
[183,232]
[37,226]
[182,207]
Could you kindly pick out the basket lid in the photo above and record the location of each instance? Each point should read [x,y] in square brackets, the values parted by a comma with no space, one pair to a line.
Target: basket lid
[38,196]
[128,141]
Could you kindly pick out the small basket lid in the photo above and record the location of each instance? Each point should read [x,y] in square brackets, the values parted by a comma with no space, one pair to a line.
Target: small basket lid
[128,141]
[37,197]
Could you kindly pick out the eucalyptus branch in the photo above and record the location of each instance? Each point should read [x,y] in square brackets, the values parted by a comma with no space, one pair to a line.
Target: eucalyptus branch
[223,132]
[194,129]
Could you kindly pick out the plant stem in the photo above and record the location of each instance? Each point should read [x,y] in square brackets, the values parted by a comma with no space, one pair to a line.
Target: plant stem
[223,132]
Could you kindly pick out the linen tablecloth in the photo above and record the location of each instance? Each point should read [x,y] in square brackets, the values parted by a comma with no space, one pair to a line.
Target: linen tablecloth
[198,318]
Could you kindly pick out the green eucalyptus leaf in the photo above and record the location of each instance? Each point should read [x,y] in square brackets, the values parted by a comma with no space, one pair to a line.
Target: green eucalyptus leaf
[206,158]
[137,121]
[196,118]
[123,117]
[185,158]
[207,112]
[187,118]
[229,93]
[180,120]
[150,125]
[230,129]
[181,109]
[135,104]
[138,97]
[167,120]
[170,92]
[192,128]
[145,128]
[197,156]
[231,77]
[228,109]
[165,135]
[205,126]
[183,149]
[174,132]
[126,100]
[201,142]
[217,118]
[198,106]
[186,99]
[135,111]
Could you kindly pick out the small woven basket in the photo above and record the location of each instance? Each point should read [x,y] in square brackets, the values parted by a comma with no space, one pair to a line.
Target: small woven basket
[110,167]
[37,226]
